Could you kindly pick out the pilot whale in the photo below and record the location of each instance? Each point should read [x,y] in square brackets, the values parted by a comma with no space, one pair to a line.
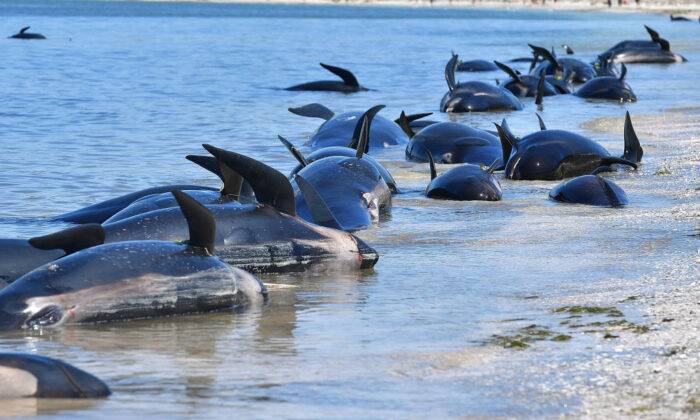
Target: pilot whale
[23,34]
[349,82]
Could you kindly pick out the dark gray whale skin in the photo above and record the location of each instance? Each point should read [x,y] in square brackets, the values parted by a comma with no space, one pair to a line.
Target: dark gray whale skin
[23,34]
[443,141]
[338,131]
[590,189]
[122,281]
[465,182]
[606,87]
[100,212]
[476,66]
[478,97]
[54,378]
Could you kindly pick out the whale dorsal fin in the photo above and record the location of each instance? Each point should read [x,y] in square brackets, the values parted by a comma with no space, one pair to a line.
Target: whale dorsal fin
[347,76]
[508,70]
[623,71]
[652,33]
[232,180]
[200,222]
[568,49]
[72,239]
[320,212]
[508,140]
[541,121]
[539,97]
[633,150]
[496,163]
[544,53]
[312,111]
[414,117]
[450,69]
[268,184]
[23,30]
[294,151]
[665,45]
[356,141]
[609,192]
[405,125]
[431,161]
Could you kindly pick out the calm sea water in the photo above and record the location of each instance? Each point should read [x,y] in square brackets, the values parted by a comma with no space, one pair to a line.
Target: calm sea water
[121,92]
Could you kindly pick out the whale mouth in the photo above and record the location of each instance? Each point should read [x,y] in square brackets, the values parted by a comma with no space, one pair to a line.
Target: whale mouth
[368,256]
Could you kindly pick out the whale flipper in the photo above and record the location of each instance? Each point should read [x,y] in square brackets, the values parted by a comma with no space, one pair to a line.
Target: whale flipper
[508,70]
[268,184]
[541,121]
[414,117]
[609,160]
[633,150]
[347,76]
[200,222]
[320,212]
[313,111]
[294,151]
[72,239]
[357,135]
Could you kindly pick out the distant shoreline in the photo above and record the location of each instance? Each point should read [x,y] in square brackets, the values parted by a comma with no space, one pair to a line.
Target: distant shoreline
[688,8]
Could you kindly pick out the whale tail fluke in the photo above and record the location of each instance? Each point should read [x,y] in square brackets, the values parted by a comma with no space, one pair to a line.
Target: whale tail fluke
[633,150]
[71,240]
[200,222]
[269,185]
[313,110]
[320,212]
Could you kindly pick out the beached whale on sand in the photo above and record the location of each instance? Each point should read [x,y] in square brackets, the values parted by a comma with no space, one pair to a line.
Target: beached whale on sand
[474,96]
[32,376]
[464,183]
[134,279]
[338,129]
[349,82]
[23,34]
[590,189]
[558,154]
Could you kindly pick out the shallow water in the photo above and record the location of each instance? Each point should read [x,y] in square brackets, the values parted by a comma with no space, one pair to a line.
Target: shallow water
[121,92]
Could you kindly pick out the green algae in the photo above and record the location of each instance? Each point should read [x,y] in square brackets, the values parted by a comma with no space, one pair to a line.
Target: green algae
[610,311]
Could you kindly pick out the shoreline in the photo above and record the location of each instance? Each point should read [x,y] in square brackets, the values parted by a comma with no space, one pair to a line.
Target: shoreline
[690,10]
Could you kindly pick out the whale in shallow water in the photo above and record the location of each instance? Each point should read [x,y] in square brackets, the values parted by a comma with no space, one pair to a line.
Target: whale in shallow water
[566,68]
[590,189]
[474,96]
[234,190]
[464,183]
[656,50]
[338,129]
[349,151]
[451,142]
[341,192]
[526,85]
[608,87]
[32,376]
[129,280]
[23,34]
[555,154]
[349,82]
[475,66]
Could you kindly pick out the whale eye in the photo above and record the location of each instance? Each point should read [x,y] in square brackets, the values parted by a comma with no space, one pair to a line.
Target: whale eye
[47,316]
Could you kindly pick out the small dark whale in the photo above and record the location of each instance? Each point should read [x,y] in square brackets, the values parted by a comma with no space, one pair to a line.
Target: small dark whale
[554,154]
[98,213]
[348,85]
[32,376]
[590,189]
[349,151]
[345,193]
[565,68]
[474,96]
[234,190]
[450,142]
[129,280]
[525,85]
[464,183]
[475,66]
[679,18]
[656,50]
[608,87]
[337,130]
[23,34]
